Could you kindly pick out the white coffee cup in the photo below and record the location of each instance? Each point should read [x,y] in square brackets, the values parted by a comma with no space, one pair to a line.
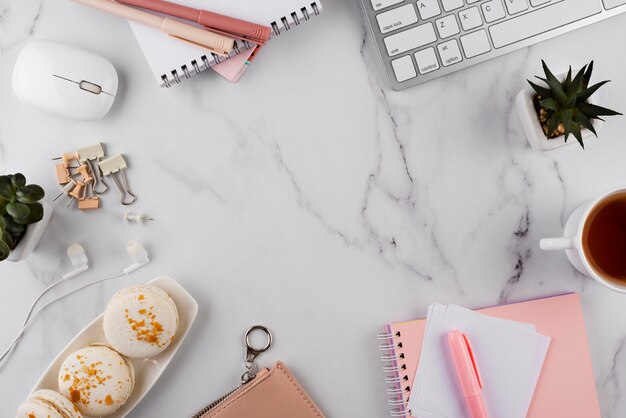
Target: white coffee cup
[572,241]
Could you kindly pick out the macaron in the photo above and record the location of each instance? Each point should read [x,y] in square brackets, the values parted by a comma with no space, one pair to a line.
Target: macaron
[97,380]
[46,403]
[140,321]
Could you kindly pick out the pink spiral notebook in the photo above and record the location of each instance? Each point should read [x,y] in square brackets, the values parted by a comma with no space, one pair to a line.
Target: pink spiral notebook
[566,386]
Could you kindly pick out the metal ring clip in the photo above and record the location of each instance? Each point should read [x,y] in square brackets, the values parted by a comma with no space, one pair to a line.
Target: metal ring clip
[252,352]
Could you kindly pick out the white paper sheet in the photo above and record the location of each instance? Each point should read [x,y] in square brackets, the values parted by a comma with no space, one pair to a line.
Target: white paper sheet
[509,356]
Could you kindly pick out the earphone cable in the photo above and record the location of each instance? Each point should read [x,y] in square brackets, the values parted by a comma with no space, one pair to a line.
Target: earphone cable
[31,316]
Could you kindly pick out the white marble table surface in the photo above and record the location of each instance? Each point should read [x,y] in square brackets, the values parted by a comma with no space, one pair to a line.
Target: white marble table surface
[312,199]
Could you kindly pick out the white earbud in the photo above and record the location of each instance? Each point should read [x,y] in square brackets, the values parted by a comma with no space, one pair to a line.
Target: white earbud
[138,254]
[79,260]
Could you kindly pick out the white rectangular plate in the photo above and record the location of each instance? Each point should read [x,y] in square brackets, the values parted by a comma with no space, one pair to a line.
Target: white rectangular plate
[147,371]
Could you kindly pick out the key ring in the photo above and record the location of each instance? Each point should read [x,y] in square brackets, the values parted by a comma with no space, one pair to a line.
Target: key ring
[252,353]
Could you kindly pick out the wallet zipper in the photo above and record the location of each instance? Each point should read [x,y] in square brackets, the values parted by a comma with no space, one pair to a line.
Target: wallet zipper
[224,398]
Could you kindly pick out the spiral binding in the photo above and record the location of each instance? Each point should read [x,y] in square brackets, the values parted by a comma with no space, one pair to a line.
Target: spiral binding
[237,47]
[393,366]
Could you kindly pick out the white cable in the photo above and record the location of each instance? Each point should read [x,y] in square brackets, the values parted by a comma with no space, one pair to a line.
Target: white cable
[4,358]
[30,311]
[76,253]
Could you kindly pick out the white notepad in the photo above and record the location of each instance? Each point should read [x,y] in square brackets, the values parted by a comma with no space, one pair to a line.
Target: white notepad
[509,356]
[171,60]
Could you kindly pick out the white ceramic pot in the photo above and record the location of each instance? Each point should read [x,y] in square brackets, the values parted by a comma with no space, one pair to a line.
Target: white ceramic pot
[532,127]
[33,235]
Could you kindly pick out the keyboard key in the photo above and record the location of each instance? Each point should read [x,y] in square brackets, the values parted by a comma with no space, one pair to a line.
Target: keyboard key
[470,18]
[403,68]
[516,6]
[493,10]
[410,39]
[381,4]
[449,52]
[447,26]
[428,8]
[396,18]
[540,21]
[426,61]
[475,43]
[449,5]
[609,4]
[536,3]
[472,1]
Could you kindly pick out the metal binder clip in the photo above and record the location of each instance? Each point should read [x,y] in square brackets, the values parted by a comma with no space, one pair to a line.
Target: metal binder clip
[115,167]
[252,353]
[88,155]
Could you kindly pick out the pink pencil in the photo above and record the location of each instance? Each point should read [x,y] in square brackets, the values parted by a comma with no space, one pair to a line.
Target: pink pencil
[214,42]
[225,24]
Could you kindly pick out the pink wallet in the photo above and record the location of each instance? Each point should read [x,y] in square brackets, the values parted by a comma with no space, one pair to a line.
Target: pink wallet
[272,393]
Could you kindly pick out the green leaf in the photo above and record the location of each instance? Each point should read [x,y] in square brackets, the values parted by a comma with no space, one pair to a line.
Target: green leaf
[7,239]
[6,190]
[571,101]
[577,83]
[587,76]
[556,88]
[585,94]
[567,117]
[577,134]
[18,211]
[553,122]
[3,205]
[13,227]
[548,73]
[30,194]
[18,180]
[5,251]
[550,103]
[581,119]
[591,110]
[541,91]
[36,213]
[3,224]
[568,79]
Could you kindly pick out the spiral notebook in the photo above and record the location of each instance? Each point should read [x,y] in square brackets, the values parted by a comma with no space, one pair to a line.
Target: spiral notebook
[566,386]
[172,61]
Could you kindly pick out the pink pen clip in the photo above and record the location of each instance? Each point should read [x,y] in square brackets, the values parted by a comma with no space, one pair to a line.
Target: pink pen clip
[467,372]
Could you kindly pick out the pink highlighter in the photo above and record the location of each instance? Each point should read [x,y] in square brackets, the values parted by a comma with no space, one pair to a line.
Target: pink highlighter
[467,372]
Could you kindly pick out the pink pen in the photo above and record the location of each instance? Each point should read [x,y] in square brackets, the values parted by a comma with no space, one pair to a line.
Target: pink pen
[215,21]
[467,372]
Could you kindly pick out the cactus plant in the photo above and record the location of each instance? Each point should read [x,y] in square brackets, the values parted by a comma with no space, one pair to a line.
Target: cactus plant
[563,107]
[19,207]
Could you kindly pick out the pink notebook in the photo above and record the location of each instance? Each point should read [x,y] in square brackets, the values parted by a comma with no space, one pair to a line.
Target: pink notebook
[566,387]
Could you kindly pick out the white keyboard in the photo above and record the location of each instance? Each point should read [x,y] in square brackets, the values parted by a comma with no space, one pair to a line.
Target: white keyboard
[419,40]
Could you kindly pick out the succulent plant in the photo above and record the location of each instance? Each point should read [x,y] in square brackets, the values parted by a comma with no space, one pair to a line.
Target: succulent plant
[19,207]
[564,104]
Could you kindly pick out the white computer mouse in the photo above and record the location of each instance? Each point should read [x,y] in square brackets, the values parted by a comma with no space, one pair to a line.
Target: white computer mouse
[65,80]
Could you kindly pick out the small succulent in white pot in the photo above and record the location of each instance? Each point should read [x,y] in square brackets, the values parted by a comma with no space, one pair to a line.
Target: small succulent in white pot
[23,217]
[563,106]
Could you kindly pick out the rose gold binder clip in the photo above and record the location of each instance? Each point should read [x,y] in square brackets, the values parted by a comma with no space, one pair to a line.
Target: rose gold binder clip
[87,200]
[67,159]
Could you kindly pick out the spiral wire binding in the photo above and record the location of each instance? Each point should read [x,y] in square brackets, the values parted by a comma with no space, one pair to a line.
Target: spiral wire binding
[393,366]
[238,47]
